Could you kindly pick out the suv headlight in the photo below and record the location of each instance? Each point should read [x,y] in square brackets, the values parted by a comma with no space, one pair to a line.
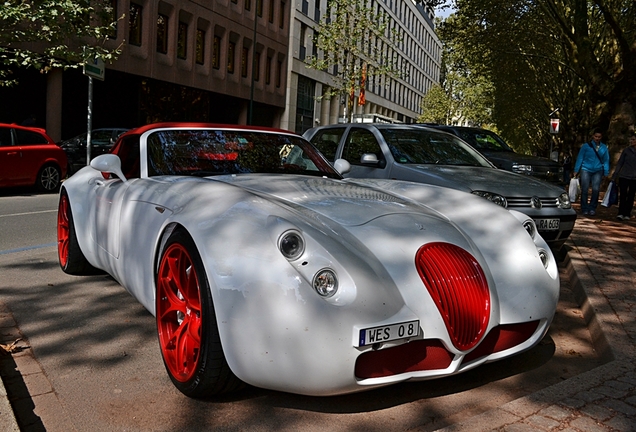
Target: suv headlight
[496,198]
[563,201]
[521,169]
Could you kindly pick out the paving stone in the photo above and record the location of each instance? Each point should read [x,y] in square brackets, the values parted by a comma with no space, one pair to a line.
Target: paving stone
[611,392]
[542,422]
[555,412]
[620,406]
[587,424]
[622,423]
[572,403]
[589,396]
[597,412]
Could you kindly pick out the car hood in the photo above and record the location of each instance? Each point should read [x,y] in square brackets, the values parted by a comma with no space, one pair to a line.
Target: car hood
[342,201]
[503,158]
[469,179]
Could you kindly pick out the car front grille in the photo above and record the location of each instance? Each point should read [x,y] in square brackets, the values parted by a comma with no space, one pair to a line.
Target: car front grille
[526,202]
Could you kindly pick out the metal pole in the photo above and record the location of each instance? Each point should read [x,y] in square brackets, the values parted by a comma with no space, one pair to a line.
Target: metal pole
[89,125]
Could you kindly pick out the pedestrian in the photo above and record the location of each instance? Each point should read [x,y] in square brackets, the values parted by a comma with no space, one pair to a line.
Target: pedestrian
[592,164]
[625,172]
[567,166]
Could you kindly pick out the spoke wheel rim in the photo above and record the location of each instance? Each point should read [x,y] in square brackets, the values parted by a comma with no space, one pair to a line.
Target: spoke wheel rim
[50,178]
[179,312]
[63,225]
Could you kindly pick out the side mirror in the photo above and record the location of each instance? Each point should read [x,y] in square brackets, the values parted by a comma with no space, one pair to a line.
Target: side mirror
[109,163]
[342,166]
[372,160]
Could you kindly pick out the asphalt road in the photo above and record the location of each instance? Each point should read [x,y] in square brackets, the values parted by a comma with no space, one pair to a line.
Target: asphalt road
[98,352]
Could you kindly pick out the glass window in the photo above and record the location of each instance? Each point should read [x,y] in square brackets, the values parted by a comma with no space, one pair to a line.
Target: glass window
[162,34]
[200,46]
[134,22]
[268,70]
[327,142]
[259,8]
[358,143]
[270,15]
[248,4]
[26,137]
[244,56]
[279,73]
[5,137]
[257,66]
[281,15]
[216,52]
[182,40]
[230,57]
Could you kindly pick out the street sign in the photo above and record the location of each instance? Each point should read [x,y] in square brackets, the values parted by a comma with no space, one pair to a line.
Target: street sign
[554,126]
[95,68]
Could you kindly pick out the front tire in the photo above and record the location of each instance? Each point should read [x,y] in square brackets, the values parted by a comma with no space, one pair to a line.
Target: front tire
[70,256]
[49,179]
[186,323]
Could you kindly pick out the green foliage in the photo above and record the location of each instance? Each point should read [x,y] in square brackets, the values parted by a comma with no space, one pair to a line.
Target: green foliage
[50,34]
[540,55]
[436,106]
[354,40]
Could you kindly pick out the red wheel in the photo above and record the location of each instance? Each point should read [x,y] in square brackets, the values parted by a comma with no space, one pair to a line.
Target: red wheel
[179,312]
[62,230]
[69,254]
[186,323]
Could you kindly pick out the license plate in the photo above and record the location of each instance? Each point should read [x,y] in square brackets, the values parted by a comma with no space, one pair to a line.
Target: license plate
[390,332]
[547,224]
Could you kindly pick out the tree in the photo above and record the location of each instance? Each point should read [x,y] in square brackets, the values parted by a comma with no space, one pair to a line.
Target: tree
[464,95]
[356,43]
[540,55]
[51,34]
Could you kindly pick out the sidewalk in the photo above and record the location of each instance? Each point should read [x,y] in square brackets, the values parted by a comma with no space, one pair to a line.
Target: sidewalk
[601,262]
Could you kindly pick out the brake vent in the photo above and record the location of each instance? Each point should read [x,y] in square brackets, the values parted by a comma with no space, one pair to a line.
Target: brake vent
[458,286]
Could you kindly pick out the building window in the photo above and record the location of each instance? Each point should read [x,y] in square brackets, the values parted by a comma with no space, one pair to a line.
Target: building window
[259,8]
[270,15]
[281,15]
[305,7]
[302,52]
[257,66]
[112,34]
[248,4]
[216,52]
[200,48]
[230,57]
[268,70]
[244,56]
[182,40]
[134,36]
[162,34]
[279,72]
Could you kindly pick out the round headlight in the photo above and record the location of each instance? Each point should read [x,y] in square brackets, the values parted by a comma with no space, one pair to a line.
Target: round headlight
[563,201]
[530,227]
[291,245]
[496,198]
[544,257]
[325,283]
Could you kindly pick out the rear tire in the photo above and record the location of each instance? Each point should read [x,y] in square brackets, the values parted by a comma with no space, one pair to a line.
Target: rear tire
[186,323]
[49,179]
[70,256]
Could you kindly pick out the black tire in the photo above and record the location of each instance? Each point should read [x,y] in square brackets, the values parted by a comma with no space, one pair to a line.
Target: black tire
[70,256]
[49,179]
[203,370]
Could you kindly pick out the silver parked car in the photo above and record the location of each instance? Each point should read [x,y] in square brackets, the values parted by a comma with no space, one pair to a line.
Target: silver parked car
[425,155]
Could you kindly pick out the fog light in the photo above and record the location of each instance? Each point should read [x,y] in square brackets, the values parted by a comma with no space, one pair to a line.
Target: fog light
[291,245]
[544,257]
[325,283]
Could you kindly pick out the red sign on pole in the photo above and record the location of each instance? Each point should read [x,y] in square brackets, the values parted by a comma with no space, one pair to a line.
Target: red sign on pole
[554,126]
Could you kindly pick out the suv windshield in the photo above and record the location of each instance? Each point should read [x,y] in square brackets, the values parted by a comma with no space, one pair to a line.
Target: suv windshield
[484,140]
[417,146]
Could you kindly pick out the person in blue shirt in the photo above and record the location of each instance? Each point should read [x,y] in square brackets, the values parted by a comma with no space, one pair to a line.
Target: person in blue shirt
[592,163]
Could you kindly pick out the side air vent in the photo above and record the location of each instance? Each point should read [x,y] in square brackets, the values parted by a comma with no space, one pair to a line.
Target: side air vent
[458,286]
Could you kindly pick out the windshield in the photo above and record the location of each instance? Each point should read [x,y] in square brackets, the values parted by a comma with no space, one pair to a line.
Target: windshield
[207,152]
[420,146]
[484,140]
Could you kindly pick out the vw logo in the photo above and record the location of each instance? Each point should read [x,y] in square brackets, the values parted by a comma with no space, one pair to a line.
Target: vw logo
[535,202]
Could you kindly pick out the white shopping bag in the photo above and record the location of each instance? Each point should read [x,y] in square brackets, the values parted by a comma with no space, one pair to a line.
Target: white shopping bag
[574,189]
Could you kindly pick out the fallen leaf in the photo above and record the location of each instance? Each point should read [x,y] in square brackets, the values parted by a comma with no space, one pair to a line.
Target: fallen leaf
[12,347]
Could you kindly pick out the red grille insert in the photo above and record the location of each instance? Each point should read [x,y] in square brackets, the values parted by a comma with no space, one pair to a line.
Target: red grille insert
[501,338]
[458,286]
[411,357]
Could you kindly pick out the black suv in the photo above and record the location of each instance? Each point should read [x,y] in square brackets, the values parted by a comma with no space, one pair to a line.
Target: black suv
[495,149]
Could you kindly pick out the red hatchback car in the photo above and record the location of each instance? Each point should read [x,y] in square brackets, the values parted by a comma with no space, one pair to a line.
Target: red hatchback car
[28,156]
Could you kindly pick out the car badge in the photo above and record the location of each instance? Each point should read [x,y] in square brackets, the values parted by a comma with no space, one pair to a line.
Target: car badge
[535,202]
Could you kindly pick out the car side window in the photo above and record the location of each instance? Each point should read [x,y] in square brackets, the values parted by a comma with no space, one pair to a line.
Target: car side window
[5,137]
[326,141]
[29,138]
[129,155]
[359,142]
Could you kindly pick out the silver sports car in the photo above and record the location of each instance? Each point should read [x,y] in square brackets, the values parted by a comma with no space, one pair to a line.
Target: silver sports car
[262,265]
